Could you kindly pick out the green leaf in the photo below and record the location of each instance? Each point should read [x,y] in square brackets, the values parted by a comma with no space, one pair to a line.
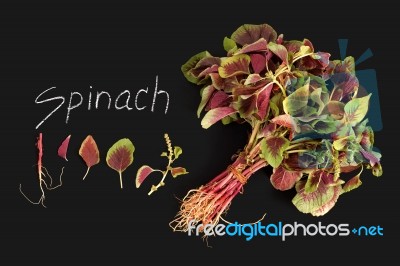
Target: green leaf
[234,65]
[316,97]
[120,156]
[229,44]
[324,127]
[377,170]
[177,171]
[215,115]
[272,149]
[177,151]
[356,109]
[206,94]
[191,63]
[164,154]
[297,100]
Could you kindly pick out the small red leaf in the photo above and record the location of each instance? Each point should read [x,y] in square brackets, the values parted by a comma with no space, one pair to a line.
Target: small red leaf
[62,150]
[283,179]
[176,171]
[89,153]
[142,174]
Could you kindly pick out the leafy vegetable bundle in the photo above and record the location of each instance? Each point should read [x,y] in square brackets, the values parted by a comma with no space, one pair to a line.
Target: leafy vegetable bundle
[307,118]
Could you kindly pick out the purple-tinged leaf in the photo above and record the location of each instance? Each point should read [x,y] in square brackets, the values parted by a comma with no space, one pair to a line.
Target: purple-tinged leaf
[263,101]
[280,51]
[206,94]
[258,46]
[218,99]
[235,65]
[370,157]
[258,62]
[335,109]
[249,33]
[318,202]
[62,150]
[272,149]
[313,180]
[142,174]
[215,115]
[253,78]
[225,84]
[337,190]
[283,179]
[286,121]
[191,64]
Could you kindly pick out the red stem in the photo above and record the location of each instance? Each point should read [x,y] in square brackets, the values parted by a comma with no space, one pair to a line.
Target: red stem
[40,148]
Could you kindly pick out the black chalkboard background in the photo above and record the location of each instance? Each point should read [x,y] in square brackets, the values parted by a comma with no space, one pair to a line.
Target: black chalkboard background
[116,47]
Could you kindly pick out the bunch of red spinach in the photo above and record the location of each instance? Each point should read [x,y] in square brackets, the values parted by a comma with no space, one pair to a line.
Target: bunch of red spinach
[306,113]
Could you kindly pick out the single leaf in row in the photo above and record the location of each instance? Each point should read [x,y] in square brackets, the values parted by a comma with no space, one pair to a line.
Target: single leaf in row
[142,174]
[63,149]
[89,153]
[177,171]
[120,156]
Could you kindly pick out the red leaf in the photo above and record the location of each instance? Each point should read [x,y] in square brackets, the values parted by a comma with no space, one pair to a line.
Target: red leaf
[283,179]
[142,174]
[120,156]
[258,62]
[219,99]
[263,101]
[89,153]
[62,150]
[260,45]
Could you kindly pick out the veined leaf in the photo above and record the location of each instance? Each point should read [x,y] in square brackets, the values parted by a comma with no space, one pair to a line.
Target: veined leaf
[258,62]
[234,65]
[318,202]
[272,149]
[142,174]
[257,46]
[280,51]
[190,64]
[283,179]
[313,180]
[335,109]
[120,156]
[297,100]
[248,33]
[215,115]
[89,153]
[62,150]
[356,109]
